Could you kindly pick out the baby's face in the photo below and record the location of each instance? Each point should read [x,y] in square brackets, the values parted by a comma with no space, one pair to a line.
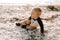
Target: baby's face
[35,14]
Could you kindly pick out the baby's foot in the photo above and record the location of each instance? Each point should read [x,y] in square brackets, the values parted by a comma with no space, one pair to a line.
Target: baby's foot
[18,24]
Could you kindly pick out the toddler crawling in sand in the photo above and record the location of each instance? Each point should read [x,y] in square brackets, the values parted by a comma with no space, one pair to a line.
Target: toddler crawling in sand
[34,21]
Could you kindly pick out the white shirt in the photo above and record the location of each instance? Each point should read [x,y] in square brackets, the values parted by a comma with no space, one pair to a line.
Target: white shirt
[35,23]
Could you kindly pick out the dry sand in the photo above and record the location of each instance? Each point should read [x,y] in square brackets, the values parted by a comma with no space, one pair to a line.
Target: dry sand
[8,15]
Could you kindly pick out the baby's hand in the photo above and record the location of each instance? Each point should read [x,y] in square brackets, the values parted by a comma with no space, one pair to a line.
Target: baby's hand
[42,34]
